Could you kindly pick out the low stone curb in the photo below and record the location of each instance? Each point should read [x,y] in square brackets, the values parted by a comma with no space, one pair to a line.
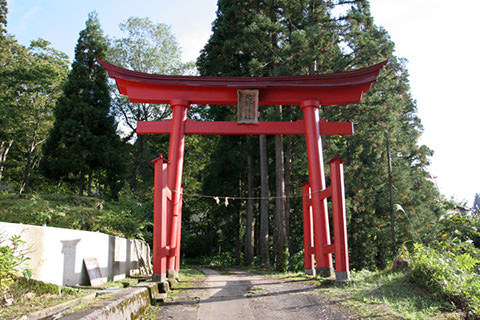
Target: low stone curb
[125,304]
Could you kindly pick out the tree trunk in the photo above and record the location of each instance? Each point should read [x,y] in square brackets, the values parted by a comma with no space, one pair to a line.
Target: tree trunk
[81,184]
[392,209]
[138,161]
[281,249]
[250,223]
[288,178]
[89,183]
[264,247]
[238,240]
[28,166]
[4,148]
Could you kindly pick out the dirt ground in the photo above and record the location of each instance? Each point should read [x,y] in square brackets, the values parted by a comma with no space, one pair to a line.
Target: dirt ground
[240,295]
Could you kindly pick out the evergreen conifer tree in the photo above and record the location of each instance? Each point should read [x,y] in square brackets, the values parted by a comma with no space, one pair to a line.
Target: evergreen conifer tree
[83,142]
[385,120]
[269,38]
[266,38]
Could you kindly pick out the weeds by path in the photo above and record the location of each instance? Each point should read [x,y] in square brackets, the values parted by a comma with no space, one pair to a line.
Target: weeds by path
[387,293]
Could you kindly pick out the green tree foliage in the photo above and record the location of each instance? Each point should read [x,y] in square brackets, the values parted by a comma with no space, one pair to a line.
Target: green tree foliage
[10,52]
[386,114]
[228,53]
[146,47]
[31,80]
[38,84]
[265,38]
[3,17]
[476,204]
[83,142]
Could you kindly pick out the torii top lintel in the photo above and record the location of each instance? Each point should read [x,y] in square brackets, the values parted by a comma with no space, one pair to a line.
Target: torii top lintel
[328,89]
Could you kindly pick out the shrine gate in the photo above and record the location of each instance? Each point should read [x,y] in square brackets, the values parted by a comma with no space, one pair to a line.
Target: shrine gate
[310,92]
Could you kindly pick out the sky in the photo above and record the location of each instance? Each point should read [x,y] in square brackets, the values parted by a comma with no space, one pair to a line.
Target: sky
[437,37]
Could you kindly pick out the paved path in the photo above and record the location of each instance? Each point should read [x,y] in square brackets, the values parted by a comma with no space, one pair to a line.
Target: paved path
[240,295]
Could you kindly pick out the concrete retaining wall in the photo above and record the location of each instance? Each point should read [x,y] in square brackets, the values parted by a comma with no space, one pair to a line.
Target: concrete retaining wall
[56,254]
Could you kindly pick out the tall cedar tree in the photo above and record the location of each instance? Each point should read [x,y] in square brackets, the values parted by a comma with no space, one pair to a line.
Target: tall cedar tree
[83,142]
[227,175]
[263,38]
[266,38]
[237,48]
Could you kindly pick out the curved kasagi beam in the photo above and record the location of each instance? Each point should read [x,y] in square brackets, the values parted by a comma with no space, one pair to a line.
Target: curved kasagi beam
[328,89]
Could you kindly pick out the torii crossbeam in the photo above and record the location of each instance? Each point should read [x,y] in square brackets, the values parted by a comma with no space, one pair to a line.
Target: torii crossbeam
[310,92]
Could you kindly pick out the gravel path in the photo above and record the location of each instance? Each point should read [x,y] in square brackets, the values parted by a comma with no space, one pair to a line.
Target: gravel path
[240,295]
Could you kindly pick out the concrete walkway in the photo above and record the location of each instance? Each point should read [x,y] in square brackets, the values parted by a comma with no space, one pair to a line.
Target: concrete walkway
[241,295]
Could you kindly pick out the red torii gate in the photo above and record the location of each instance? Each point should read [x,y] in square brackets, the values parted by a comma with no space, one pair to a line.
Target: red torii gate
[310,92]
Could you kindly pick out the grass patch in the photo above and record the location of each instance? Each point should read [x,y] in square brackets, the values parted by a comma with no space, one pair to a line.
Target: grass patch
[27,296]
[291,275]
[189,278]
[124,283]
[388,293]
[190,274]
[256,290]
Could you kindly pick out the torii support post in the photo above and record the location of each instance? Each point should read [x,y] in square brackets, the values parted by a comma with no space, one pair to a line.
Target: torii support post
[160,248]
[176,153]
[342,272]
[308,244]
[340,246]
[311,115]
[179,237]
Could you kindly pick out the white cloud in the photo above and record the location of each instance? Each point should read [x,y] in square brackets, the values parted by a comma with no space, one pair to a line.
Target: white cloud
[24,20]
[191,44]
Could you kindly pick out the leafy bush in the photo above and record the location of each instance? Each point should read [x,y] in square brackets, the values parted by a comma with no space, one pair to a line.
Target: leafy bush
[23,285]
[126,218]
[11,261]
[221,259]
[460,227]
[449,274]
[297,262]
[449,266]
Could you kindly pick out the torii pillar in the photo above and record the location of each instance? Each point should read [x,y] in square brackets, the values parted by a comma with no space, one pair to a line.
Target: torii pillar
[316,171]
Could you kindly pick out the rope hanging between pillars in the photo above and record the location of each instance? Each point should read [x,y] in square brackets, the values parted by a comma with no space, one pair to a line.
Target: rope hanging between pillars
[219,198]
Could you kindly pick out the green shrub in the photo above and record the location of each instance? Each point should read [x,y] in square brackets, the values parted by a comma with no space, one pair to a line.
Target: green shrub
[11,261]
[219,260]
[450,274]
[297,262]
[125,218]
[459,226]
[23,285]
